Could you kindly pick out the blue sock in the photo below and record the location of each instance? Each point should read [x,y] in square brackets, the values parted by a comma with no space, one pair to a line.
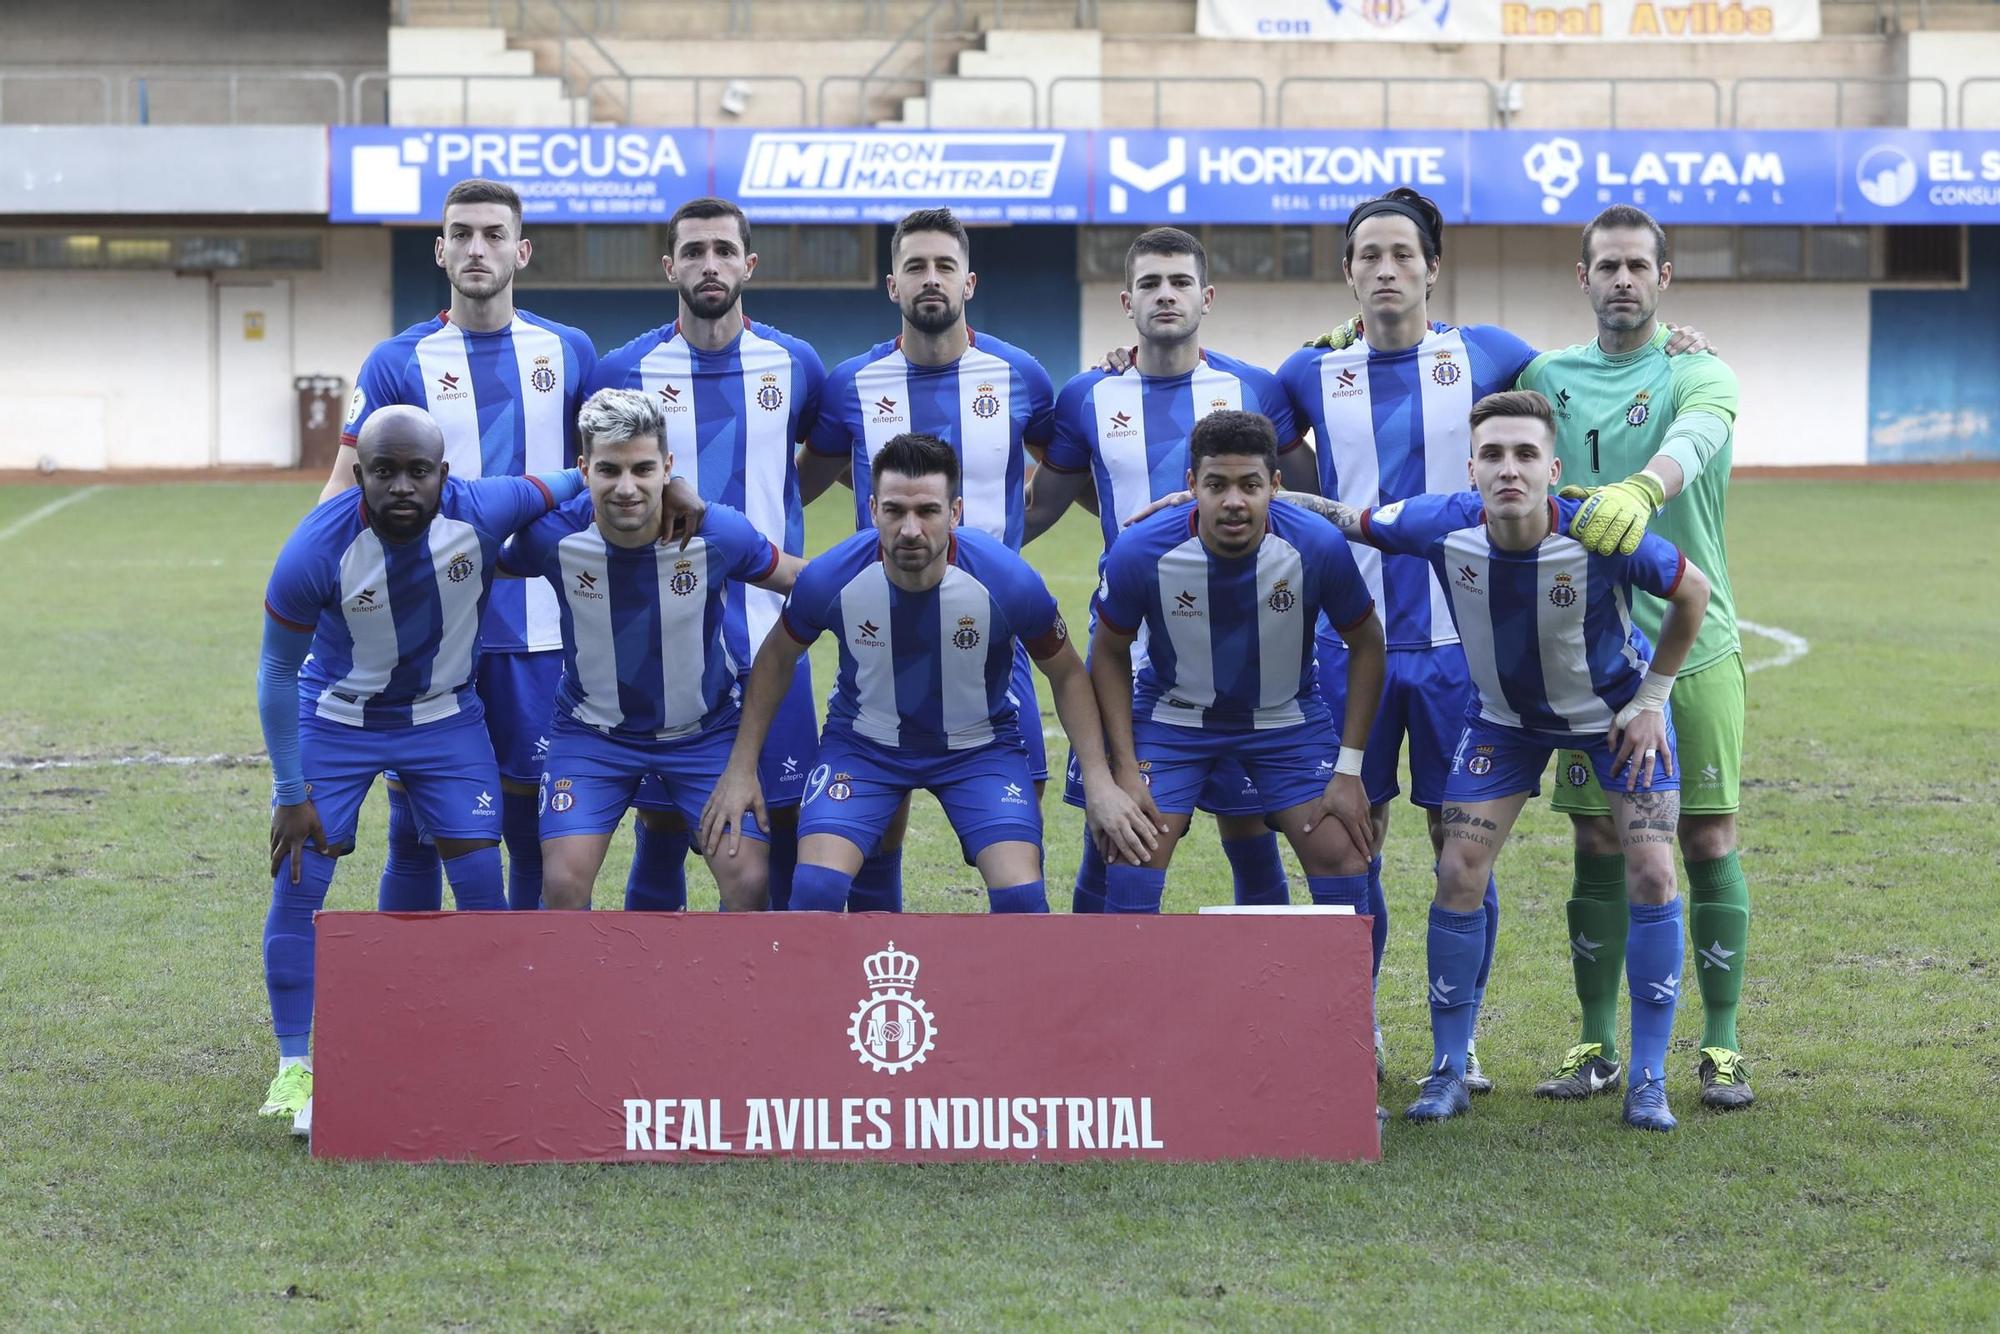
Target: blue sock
[521,827]
[1031,897]
[1088,896]
[1257,869]
[1378,908]
[1653,954]
[657,881]
[1492,910]
[411,881]
[1133,889]
[288,949]
[878,885]
[784,860]
[476,880]
[1340,890]
[819,888]
[1453,964]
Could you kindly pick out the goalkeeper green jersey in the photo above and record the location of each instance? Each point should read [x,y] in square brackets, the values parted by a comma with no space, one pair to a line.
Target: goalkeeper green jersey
[1613,414]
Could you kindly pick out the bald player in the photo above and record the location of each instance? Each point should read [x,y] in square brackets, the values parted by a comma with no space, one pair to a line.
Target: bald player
[384,590]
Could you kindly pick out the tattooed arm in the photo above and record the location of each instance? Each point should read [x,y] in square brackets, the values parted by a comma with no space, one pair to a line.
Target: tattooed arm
[1344,517]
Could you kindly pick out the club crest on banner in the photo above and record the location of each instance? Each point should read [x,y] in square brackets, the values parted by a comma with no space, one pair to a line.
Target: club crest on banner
[892,1031]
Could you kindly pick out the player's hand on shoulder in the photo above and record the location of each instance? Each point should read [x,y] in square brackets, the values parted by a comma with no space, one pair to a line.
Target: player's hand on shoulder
[1118,360]
[1684,341]
[681,512]
[1164,502]
[292,828]
[1343,336]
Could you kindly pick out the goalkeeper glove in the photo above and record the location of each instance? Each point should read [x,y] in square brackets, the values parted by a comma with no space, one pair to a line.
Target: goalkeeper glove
[1333,340]
[1613,518]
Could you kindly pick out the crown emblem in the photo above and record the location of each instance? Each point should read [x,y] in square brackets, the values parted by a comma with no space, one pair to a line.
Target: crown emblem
[891,969]
[892,1031]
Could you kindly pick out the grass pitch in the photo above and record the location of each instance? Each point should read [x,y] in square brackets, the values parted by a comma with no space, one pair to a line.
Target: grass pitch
[137,1188]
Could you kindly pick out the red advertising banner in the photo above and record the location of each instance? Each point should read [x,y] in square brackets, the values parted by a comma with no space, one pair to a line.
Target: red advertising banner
[611,1036]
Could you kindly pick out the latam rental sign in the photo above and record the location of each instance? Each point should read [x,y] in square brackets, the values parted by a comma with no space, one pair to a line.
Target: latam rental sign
[1153,176]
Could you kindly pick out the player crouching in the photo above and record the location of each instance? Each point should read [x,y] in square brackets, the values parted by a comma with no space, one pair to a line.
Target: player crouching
[648,685]
[1228,591]
[1558,665]
[928,614]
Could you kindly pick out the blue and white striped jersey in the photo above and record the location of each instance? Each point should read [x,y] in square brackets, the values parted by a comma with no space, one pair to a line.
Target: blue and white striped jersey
[988,405]
[636,621]
[733,419]
[1548,633]
[1391,425]
[1230,639]
[395,625]
[926,672]
[1130,431]
[506,402]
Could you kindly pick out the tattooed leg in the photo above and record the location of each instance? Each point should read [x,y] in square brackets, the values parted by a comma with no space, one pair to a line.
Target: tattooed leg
[1473,835]
[1647,825]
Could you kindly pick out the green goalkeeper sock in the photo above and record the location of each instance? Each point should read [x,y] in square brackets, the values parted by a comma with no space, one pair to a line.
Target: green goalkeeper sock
[1598,918]
[1720,924]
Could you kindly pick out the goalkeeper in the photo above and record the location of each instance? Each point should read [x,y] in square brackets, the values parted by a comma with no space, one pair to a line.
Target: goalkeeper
[1651,439]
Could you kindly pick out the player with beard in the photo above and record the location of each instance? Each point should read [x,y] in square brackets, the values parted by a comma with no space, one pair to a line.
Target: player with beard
[988,400]
[503,386]
[379,599]
[737,398]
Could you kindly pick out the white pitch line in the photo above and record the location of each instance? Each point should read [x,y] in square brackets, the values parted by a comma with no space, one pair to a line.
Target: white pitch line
[150,759]
[1791,647]
[35,516]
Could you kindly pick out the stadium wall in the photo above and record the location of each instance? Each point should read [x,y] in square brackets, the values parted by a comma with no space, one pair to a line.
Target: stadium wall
[1933,393]
[119,369]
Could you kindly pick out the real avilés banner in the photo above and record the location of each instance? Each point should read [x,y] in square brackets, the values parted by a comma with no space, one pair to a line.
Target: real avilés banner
[1140,177]
[1454,21]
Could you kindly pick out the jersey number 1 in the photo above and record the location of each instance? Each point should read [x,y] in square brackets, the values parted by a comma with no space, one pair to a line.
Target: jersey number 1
[1591,436]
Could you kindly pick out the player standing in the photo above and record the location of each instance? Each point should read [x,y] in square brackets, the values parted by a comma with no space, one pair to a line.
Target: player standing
[386,592]
[1389,414]
[736,398]
[1655,434]
[1228,590]
[988,400]
[637,613]
[1559,665]
[930,622]
[503,385]
[1122,436]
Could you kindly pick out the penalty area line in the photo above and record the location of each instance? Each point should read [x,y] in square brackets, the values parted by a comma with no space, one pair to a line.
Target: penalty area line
[1791,647]
[35,516]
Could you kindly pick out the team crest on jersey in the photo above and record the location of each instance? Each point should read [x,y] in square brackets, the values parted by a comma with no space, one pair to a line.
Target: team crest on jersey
[891,1031]
[986,403]
[563,785]
[684,580]
[542,377]
[562,801]
[967,634]
[1387,514]
[1641,409]
[1480,765]
[1564,592]
[1146,768]
[1578,774]
[1282,598]
[770,397]
[1446,371]
[460,568]
[841,787]
[1060,629]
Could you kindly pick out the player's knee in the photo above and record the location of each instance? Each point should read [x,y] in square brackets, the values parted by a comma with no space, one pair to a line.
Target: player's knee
[1649,874]
[1705,838]
[1595,835]
[1462,871]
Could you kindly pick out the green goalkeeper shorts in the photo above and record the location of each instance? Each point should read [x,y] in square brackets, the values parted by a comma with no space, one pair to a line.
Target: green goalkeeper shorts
[1708,727]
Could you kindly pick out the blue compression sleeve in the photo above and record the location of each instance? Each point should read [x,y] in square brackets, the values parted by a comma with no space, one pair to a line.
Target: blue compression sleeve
[278,707]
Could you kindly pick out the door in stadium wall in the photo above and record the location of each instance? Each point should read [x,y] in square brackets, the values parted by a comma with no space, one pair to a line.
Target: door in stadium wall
[256,409]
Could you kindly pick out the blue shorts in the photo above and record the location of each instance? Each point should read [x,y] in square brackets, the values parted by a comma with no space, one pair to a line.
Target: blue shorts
[987,793]
[1289,765]
[1022,688]
[1425,697]
[1229,790]
[592,776]
[446,767]
[519,692]
[1492,761]
[791,748]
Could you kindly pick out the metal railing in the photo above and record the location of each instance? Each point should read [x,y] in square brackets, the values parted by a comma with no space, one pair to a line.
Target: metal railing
[1507,104]
[1840,84]
[697,82]
[465,84]
[927,91]
[608,17]
[1965,86]
[1387,85]
[99,78]
[1159,83]
[136,96]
